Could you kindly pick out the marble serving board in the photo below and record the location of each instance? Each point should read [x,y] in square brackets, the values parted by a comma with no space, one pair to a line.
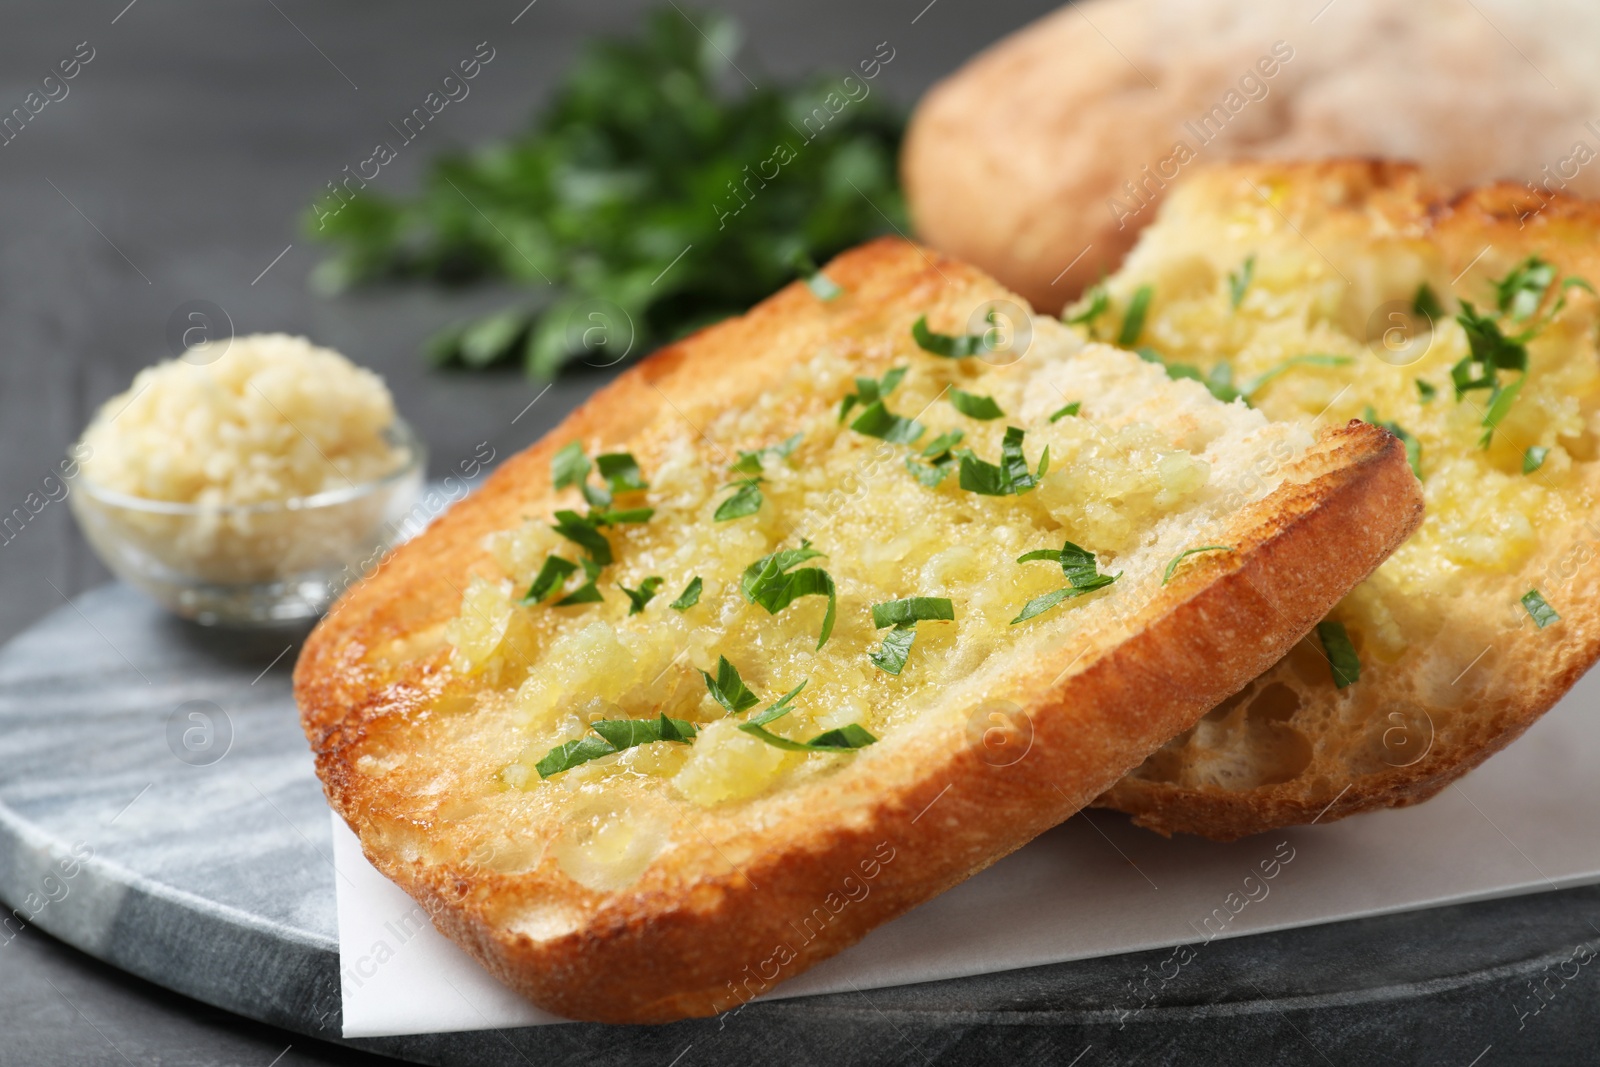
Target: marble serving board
[158,810]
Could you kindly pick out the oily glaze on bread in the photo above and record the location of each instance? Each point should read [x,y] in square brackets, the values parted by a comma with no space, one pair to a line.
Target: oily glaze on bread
[1453,666]
[1043,157]
[418,743]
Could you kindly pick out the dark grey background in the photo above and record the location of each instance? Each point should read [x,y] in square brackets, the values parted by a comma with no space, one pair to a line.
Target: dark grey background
[177,167]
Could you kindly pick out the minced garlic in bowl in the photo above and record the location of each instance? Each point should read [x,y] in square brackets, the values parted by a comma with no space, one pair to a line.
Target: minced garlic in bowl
[249,486]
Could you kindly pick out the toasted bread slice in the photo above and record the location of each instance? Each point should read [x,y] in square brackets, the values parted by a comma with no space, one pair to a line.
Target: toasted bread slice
[680,877]
[1453,664]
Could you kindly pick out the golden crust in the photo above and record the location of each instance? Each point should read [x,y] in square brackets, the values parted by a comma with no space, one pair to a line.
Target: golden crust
[1523,670]
[700,932]
[1042,157]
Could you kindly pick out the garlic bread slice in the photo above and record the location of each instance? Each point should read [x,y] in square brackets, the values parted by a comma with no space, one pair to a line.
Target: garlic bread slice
[809,617]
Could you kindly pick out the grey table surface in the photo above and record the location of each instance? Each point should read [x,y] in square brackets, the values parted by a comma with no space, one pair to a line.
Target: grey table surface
[177,169]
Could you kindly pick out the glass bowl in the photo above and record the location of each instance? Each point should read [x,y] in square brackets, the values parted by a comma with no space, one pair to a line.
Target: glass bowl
[252,565]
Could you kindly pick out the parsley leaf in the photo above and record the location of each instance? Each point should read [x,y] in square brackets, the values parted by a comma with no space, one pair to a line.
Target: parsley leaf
[613,518]
[1489,351]
[1533,458]
[822,287]
[615,736]
[588,592]
[772,582]
[941,445]
[569,466]
[1133,319]
[555,571]
[584,533]
[1071,409]
[1310,359]
[974,406]
[843,739]
[912,610]
[1539,609]
[1342,658]
[1523,289]
[891,658]
[1083,577]
[1099,304]
[777,710]
[1218,382]
[1172,566]
[951,346]
[1426,304]
[690,595]
[641,596]
[878,421]
[1010,477]
[871,389]
[1426,391]
[750,462]
[1500,402]
[621,472]
[745,501]
[728,689]
[1239,282]
[938,451]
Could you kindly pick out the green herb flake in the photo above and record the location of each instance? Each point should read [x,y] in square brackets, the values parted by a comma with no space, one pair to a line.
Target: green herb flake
[912,610]
[940,446]
[746,500]
[583,532]
[1342,658]
[1172,566]
[950,346]
[1133,319]
[750,462]
[1082,572]
[569,466]
[1489,352]
[1523,289]
[1099,304]
[567,756]
[641,596]
[1413,446]
[1426,391]
[555,571]
[728,689]
[690,595]
[1010,477]
[1309,359]
[1070,410]
[822,287]
[871,389]
[772,583]
[1539,609]
[777,710]
[1239,282]
[621,472]
[1426,304]
[843,739]
[891,658]
[1533,458]
[974,406]
[1500,402]
[878,421]
[614,518]
[615,736]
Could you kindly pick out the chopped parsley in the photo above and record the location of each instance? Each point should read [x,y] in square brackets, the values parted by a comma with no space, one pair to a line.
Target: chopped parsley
[878,421]
[615,735]
[846,737]
[1412,445]
[728,689]
[1342,658]
[1062,413]
[1239,282]
[584,533]
[821,286]
[555,571]
[1500,402]
[1172,566]
[869,390]
[619,470]
[1426,391]
[903,616]
[641,596]
[952,346]
[1539,609]
[1309,359]
[1099,304]
[588,592]
[1489,352]
[1523,289]
[974,406]
[1533,458]
[1083,577]
[940,459]
[1426,304]
[690,595]
[569,466]
[1010,477]
[772,582]
[1219,381]
[750,462]
[746,500]
[1133,319]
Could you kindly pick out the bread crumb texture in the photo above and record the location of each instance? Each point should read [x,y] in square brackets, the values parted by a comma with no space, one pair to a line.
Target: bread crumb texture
[1133,477]
[1309,287]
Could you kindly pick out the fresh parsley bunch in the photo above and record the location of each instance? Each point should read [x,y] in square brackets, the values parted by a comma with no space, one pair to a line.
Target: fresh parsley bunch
[629,166]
